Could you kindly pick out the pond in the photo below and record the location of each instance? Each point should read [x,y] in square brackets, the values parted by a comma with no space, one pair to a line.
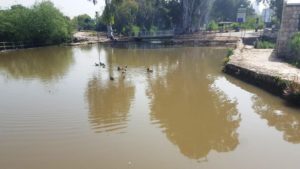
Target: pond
[58,110]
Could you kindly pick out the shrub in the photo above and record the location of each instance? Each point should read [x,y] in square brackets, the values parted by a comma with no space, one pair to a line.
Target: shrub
[264,45]
[135,29]
[43,23]
[212,26]
[295,44]
[228,54]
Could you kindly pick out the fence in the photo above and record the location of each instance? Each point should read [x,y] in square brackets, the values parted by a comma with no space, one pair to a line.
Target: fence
[18,45]
[156,34]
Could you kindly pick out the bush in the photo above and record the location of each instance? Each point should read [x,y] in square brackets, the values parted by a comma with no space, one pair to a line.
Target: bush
[264,45]
[135,29]
[251,23]
[295,45]
[235,26]
[212,26]
[40,24]
[228,54]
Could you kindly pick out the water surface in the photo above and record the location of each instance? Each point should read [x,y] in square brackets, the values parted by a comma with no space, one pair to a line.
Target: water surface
[58,110]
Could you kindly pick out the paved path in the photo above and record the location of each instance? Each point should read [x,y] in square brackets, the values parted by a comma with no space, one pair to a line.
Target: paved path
[263,61]
[241,34]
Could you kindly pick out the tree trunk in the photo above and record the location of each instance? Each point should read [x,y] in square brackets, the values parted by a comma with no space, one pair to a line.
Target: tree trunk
[110,33]
[195,14]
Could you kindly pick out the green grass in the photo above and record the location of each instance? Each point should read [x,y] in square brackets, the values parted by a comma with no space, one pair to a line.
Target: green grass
[264,45]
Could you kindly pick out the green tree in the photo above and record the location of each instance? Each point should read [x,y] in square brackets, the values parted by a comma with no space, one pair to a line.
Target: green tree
[84,22]
[125,16]
[276,5]
[226,10]
[40,24]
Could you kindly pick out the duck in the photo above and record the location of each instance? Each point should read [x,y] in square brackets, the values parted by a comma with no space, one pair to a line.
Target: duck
[119,68]
[122,68]
[149,70]
[96,64]
[102,64]
[111,78]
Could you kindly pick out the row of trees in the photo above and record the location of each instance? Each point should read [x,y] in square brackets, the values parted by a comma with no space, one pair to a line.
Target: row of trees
[129,16]
[40,24]
[43,23]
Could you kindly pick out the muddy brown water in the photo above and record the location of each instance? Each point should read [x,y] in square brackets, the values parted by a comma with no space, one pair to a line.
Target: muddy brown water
[59,111]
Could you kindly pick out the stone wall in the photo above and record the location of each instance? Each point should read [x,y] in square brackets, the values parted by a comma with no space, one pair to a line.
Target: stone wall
[289,26]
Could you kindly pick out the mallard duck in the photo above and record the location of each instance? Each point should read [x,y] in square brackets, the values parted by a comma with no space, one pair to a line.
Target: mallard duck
[149,70]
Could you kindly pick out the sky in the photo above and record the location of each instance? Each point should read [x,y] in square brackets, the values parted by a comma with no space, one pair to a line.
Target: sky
[70,8]
[73,8]
[293,1]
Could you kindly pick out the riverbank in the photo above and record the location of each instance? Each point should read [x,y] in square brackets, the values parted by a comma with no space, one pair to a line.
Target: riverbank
[199,39]
[262,68]
[228,39]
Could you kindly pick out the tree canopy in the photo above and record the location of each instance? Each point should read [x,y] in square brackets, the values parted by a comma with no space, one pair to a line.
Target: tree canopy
[40,24]
[226,10]
[128,16]
[276,5]
[84,22]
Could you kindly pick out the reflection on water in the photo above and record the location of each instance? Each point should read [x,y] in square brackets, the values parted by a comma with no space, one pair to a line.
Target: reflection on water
[109,104]
[183,113]
[194,116]
[45,64]
[284,118]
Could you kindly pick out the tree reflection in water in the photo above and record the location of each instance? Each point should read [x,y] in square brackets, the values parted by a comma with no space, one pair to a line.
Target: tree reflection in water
[195,117]
[284,119]
[109,104]
[45,64]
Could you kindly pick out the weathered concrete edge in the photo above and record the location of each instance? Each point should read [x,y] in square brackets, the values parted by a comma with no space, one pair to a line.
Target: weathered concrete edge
[269,83]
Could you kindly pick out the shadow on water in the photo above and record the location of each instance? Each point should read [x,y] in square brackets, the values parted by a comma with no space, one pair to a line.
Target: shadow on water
[45,64]
[194,116]
[284,118]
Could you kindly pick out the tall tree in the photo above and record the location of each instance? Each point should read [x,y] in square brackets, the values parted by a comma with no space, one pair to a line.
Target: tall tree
[195,13]
[276,5]
[226,10]
[108,14]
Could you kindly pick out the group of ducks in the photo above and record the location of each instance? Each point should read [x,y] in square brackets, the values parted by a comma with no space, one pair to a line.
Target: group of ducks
[100,64]
[120,69]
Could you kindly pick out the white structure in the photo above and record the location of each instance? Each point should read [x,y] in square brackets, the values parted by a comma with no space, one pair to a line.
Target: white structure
[267,14]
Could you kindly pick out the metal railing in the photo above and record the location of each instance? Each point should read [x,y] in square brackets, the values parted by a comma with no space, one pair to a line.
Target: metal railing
[156,34]
[18,45]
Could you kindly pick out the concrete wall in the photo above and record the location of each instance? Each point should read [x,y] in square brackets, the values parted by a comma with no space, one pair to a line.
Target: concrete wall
[289,26]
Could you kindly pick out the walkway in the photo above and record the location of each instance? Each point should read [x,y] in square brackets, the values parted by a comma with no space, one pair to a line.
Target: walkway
[263,61]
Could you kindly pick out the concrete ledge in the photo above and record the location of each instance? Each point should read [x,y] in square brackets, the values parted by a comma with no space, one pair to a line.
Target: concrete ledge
[260,68]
